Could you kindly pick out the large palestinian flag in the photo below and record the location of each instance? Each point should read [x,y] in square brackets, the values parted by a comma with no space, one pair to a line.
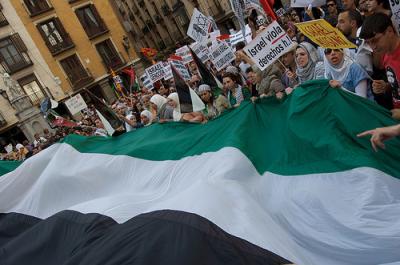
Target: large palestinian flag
[268,183]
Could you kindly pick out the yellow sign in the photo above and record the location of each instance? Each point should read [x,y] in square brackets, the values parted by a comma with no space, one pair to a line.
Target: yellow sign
[324,35]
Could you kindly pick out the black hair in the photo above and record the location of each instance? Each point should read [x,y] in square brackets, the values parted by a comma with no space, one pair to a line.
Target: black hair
[249,69]
[376,23]
[240,45]
[385,4]
[356,16]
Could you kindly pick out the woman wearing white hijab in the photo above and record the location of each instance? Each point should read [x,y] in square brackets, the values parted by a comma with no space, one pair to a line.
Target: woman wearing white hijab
[173,101]
[163,110]
[146,117]
[308,62]
[343,72]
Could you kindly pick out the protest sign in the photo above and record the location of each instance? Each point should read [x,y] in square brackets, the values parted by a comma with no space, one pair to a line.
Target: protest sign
[146,81]
[324,35]
[184,52]
[238,7]
[75,104]
[168,71]
[395,6]
[269,45]
[222,55]
[306,3]
[201,51]
[156,72]
[199,26]
[179,66]
[280,12]
[238,36]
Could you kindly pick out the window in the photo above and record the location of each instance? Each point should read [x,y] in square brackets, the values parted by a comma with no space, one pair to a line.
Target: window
[91,21]
[37,7]
[32,88]
[55,36]
[76,73]
[110,56]
[13,54]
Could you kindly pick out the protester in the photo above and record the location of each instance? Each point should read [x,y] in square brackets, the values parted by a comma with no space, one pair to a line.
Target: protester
[380,34]
[343,72]
[173,101]
[332,16]
[234,91]
[146,117]
[210,111]
[309,65]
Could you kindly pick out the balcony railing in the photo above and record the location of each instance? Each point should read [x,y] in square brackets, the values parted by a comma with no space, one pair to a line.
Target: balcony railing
[114,62]
[79,78]
[21,61]
[38,7]
[60,47]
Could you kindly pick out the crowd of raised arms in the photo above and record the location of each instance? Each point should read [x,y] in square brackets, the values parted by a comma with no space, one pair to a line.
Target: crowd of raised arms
[371,70]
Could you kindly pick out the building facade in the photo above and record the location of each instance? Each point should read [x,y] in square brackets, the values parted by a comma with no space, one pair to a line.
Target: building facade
[25,80]
[80,40]
[162,24]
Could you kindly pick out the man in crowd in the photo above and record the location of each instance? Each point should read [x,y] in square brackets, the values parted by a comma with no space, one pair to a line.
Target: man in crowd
[349,5]
[332,16]
[380,34]
[349,22]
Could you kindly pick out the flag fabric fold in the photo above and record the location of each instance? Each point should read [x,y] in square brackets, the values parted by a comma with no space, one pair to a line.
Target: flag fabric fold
[273,182]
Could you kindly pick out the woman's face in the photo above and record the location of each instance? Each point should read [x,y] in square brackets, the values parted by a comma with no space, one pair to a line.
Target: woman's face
[301,57]
[205,96]
[172,103]
[144,119]
[335,57]
[228,83]
[295,17]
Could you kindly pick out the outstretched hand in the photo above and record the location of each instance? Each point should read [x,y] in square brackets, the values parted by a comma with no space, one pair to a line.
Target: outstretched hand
[379,135]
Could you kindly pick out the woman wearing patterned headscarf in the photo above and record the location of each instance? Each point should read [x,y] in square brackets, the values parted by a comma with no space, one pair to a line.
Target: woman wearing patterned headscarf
[309,64]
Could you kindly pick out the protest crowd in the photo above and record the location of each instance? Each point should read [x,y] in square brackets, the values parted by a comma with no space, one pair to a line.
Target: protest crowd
[353,44]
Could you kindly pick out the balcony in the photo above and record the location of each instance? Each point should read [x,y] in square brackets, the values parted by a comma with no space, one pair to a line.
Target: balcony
[80,79]
[37,7]
[113,62]
[20,61]
[60,47]
[3,121]
[3,20]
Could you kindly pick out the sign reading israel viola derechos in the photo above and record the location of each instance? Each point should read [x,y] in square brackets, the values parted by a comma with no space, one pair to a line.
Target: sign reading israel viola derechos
[269,45]
[156,72]
[222,55]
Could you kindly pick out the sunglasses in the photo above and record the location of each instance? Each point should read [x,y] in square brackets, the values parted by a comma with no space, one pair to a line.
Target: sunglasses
[329,51]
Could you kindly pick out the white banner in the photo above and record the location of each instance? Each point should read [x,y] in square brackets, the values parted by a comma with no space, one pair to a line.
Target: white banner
[222,55]
[201,50]
[199,26]
[184,52]
[75,104]
[146,81]
[180,68]
[238,7]
[156,72]
[268,46]
[395,6]
[168,71]
[306,3]
[238,36]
